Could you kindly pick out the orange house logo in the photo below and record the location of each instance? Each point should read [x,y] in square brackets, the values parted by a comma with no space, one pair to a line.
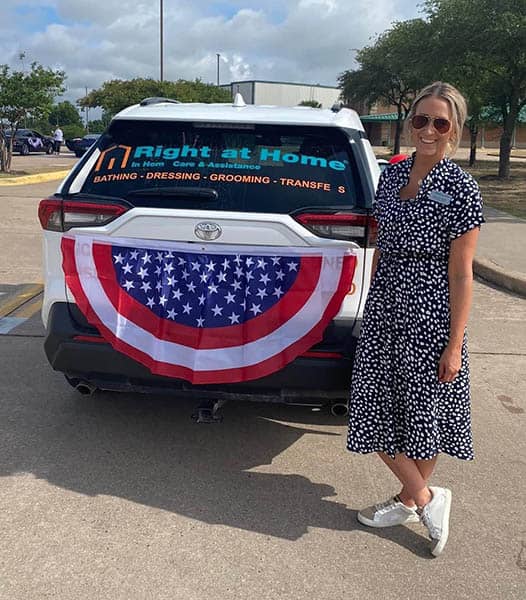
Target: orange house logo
[112,154]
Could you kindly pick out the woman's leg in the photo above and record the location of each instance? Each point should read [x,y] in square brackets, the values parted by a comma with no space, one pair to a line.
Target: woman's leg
[434,506]
[403,495]
[426,467]
[414,483]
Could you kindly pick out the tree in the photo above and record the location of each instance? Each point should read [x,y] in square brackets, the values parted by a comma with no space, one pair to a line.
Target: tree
[473,85]
[67,116]
[311,103]
[488,39]
[474,120]
[117,94]
[97,125]
[24,94]
[64,113]
[390,71]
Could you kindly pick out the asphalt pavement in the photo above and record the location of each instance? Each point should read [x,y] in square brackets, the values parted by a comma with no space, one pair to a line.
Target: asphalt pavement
[123,496]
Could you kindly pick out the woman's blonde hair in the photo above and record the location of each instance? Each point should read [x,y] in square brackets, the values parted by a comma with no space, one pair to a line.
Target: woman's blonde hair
[457,104]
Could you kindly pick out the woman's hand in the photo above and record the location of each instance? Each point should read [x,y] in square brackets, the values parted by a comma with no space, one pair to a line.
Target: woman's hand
[450,363]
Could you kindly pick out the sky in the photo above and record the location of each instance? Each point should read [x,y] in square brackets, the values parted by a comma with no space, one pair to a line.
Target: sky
[302,41]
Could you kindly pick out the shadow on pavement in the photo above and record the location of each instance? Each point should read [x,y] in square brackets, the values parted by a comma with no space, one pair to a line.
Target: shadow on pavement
[147,450]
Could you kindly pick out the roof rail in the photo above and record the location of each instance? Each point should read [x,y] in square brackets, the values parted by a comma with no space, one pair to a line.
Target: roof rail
[157,100]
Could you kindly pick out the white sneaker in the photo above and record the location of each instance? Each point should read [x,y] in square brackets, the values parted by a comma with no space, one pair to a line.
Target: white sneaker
[388,513]
[435,516]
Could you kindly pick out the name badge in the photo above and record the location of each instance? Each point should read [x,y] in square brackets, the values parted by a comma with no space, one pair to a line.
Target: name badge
[440,197]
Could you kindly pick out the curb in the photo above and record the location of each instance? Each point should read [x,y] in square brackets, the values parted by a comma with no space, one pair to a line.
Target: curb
[25,294]
[509,280]
[38,178]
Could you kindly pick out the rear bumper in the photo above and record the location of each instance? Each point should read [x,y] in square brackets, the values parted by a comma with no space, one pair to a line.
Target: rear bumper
[306,379]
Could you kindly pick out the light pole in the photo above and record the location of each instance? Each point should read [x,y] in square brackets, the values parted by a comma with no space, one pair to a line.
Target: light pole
[218,57]
[161,36]
[86,109]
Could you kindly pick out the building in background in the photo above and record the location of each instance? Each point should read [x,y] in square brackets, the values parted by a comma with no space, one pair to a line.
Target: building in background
[280,93]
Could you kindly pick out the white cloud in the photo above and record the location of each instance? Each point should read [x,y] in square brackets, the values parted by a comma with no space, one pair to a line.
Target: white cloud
[307,41]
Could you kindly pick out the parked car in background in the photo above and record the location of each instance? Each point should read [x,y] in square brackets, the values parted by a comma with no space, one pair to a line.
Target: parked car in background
[80,145]
[28,140]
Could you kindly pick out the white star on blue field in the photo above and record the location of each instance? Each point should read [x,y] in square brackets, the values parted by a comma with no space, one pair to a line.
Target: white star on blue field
[198,290]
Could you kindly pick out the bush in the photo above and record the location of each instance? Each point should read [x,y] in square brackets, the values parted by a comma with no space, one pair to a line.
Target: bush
[311,103]
[72,131]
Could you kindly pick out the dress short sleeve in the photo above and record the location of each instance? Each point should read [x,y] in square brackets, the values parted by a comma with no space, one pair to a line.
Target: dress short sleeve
[466,213]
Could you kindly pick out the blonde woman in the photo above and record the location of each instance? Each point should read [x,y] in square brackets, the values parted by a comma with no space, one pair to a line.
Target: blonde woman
[410,398]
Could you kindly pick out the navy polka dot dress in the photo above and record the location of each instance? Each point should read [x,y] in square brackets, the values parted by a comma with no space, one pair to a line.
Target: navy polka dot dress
[397,404]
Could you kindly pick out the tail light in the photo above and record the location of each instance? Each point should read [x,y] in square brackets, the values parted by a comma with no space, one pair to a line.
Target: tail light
[61,215]
[359,228]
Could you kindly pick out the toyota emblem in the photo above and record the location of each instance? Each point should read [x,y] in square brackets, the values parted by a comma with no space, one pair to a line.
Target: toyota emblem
[207,231]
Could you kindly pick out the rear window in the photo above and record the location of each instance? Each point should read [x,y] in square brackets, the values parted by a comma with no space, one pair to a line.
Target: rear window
[252,168]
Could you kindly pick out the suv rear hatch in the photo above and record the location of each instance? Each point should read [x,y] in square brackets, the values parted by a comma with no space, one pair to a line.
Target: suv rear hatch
[259,185]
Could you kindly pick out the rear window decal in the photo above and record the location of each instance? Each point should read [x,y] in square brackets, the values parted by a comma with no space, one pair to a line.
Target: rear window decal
[160,156]
[269,169]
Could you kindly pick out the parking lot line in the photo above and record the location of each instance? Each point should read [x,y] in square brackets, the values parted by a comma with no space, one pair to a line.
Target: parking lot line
[28,309]
[7,324]
[27,293]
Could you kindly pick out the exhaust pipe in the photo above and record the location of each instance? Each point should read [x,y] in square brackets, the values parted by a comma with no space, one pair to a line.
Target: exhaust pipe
[339,409]
[85,388]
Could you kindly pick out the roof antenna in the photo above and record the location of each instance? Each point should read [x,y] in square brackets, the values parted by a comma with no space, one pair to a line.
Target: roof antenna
[238,100]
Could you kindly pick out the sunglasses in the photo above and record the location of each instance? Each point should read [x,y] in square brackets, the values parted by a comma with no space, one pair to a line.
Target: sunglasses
[440,124]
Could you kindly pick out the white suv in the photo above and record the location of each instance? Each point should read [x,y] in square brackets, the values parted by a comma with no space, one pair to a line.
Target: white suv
[167,229]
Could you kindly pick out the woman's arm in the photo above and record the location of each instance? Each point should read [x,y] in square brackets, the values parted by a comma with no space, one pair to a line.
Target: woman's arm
[460,275]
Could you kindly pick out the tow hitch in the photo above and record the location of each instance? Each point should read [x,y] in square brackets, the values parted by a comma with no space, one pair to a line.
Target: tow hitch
[208,412]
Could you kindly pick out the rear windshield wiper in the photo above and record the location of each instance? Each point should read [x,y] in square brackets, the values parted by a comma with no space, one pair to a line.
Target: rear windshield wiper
[178,192]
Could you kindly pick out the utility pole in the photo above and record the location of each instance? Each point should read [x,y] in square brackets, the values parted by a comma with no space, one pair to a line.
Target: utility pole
[161,36]
[86,109]
[218,56]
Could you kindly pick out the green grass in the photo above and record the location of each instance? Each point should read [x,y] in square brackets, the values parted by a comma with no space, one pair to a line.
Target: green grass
[506,195]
